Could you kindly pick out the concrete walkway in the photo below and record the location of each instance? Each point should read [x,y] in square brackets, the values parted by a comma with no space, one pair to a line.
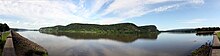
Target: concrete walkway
[216,45]
[9,49]
[17,45]
[216,42]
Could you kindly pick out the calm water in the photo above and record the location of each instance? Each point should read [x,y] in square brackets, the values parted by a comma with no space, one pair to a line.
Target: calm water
[165,44]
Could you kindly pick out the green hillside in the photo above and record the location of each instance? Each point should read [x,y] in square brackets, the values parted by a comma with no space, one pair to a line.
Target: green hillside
[127,28]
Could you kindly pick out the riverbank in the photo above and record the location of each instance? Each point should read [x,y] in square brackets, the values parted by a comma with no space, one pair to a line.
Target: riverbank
[204,50]
[25,47]
[208,49]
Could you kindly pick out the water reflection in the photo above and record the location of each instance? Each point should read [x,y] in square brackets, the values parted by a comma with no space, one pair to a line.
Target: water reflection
[117,37]
[197,33]
[165,44]
[204,34]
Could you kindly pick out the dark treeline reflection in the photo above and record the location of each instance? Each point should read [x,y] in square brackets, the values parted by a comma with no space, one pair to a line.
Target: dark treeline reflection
[204,34]
[117,37]
[197,34]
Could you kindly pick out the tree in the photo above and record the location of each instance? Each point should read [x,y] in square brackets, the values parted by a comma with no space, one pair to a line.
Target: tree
[4,27]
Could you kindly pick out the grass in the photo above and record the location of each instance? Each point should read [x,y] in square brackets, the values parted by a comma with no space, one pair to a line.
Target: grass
[218,34]
[4,36]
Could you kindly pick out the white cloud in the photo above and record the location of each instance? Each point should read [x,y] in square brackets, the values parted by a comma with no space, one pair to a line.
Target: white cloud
[135,8]
[194,21]
[199,2]
[41,13]
[130,8]
[165,8]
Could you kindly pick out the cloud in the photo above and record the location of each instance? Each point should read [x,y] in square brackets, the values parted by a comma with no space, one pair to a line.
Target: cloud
[41,13]
[198,2]
[194,21]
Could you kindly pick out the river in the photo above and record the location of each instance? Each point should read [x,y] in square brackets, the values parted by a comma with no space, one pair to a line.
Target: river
[164,44]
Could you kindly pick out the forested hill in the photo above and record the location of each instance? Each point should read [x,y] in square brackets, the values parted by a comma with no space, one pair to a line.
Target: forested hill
[4,27]
[95,28]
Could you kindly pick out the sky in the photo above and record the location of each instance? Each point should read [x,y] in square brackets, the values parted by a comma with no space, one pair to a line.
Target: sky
[165,14]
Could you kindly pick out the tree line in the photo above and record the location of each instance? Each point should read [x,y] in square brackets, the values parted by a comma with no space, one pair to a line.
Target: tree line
[4,27]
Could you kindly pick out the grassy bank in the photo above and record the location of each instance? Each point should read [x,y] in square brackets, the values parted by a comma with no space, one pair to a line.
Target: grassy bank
[4,36]
[218,34]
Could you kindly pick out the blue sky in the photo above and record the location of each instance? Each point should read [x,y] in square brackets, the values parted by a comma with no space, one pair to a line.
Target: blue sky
[165,14]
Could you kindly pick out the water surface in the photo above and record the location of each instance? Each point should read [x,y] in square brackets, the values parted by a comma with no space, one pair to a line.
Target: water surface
[164,44]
